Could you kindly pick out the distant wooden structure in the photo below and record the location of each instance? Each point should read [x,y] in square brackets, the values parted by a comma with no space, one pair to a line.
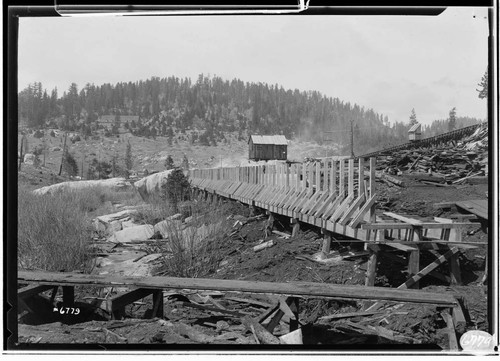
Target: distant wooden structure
[415,132]
[267,147]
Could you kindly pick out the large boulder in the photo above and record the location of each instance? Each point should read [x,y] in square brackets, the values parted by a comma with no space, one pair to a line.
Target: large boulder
[29,158]
[113,185]
[133,234]
[151,185]
[113,222]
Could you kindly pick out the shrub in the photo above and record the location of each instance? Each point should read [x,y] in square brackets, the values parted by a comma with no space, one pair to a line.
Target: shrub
[197,250]
[53,233]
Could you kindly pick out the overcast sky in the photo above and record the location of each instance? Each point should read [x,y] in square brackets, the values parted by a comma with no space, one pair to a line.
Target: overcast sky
[389,63]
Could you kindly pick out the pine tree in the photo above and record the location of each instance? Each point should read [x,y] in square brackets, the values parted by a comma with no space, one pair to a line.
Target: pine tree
[185,163]
[452,121]
[413,117]
[483,86]
[69,165]
[128,159]
[169,163]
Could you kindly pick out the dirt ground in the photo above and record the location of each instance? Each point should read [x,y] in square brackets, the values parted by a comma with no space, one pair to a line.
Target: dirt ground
[291,259]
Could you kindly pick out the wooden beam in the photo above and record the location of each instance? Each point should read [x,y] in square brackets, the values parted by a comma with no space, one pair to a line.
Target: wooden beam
[68,296]
[427,225]
[414,222]
[342,208]
[358,217]
[452,337]
[32,290]
[327,241]
[117,303]
[309,289]
[429,268]
[354,206]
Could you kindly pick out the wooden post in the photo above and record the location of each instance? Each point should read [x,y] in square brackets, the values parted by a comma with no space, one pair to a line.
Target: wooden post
[333,175]
[414,265]
[318,176]
[304,176]
[327,241]
[456,277]
[295,227]
[373,162]
[361,176]
[68,296]
[293,303]
[371,270]
[350,185]
[341,178]
[158,303]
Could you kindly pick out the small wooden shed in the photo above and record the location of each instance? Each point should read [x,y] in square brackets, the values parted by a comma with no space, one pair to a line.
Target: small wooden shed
[267,147]
[415,132]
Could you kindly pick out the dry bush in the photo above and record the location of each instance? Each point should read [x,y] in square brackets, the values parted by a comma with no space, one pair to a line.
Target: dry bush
[196,250]
[54,233]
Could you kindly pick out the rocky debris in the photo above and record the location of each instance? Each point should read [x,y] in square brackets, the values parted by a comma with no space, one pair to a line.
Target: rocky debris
[29,158]
[152,184]
[448,164]
[166,226]
[133,234]
[114,222]
[112,185]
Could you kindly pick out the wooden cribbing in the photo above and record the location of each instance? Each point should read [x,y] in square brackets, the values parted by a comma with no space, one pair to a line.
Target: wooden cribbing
[293,288]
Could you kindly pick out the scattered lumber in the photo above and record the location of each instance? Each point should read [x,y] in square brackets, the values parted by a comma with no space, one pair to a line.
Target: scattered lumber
[192,333]
[263,335]
[263,245]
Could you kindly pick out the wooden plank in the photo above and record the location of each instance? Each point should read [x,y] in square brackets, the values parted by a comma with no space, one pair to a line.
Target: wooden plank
[333,175]
[350,181]
[428,225]
[121,300]
[318,177]
[354,206]
[411,221]
[318,203]
[452,337]
[342,208]
[454,235]
[341,176]
[429,268]
[32,290]
[332,207]
[358,217]
[361,177]
[326,204]
[309,289]
[478,207]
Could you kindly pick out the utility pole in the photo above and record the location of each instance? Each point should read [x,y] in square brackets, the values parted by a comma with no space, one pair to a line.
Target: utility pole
[352,139]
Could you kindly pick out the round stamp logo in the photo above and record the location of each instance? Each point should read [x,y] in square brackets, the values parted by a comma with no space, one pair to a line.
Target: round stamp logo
[477,341]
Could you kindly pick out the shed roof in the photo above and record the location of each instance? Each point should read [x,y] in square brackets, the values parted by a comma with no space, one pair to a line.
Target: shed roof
[269,139]
[415,128]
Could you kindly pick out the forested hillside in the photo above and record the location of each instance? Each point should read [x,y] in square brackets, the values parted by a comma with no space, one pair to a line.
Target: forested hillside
[208,108]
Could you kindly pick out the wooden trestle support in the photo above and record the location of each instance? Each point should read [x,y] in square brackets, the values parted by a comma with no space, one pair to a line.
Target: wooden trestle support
[339,196]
